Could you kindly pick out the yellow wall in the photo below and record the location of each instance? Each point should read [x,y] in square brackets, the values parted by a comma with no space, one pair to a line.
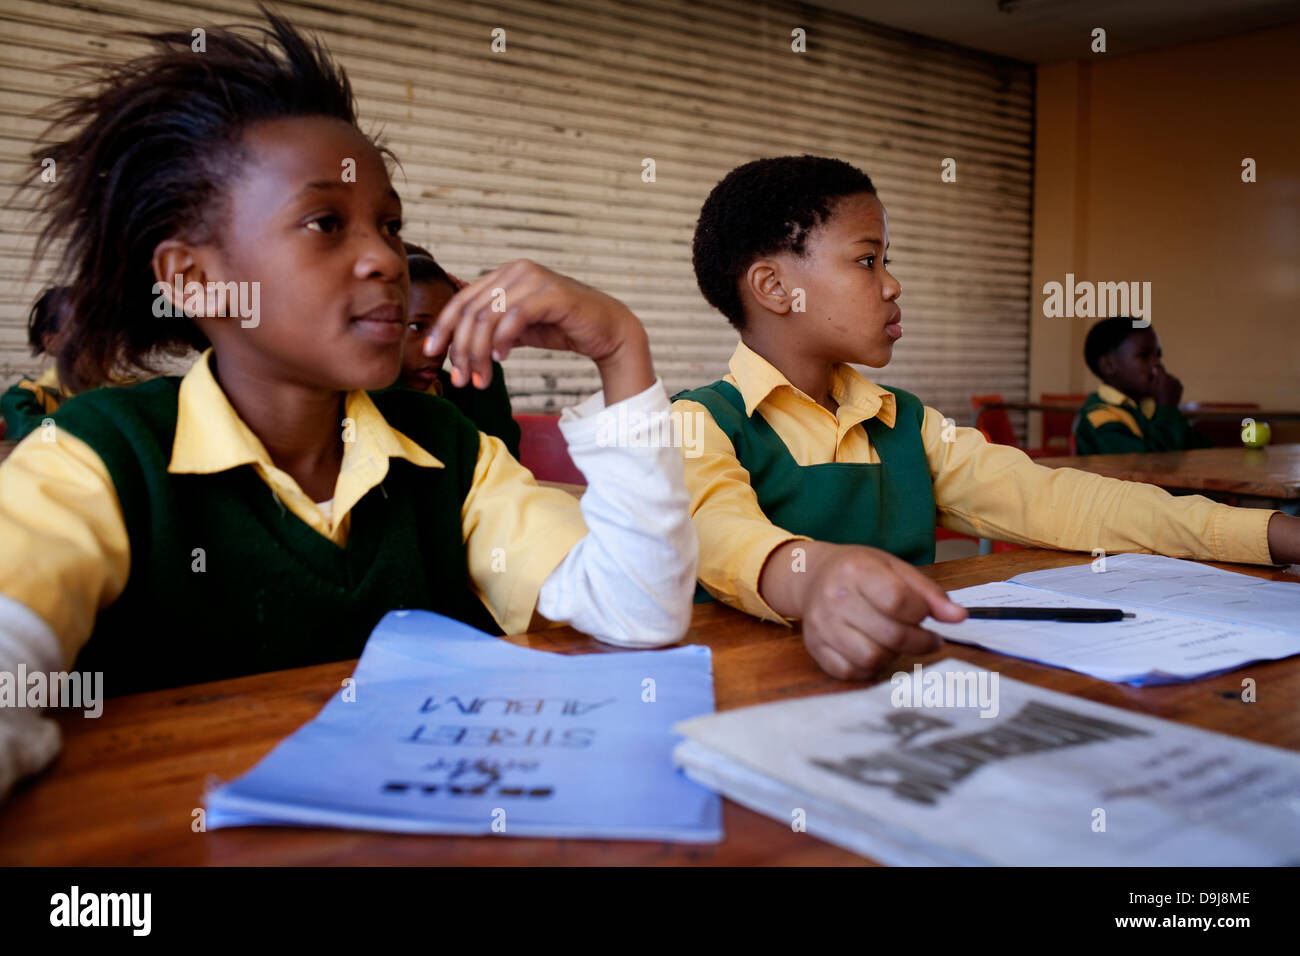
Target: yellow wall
[1138,177]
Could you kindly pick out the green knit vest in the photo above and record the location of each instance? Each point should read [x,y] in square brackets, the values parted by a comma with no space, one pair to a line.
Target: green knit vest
[887,505]
[266,591]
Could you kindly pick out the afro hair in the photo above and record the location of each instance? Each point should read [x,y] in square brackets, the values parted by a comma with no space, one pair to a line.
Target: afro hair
[760,209]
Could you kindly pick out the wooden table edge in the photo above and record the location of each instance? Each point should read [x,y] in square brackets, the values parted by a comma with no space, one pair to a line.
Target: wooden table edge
[144,715]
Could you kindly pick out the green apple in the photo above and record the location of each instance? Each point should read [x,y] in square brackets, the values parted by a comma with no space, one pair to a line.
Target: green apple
[1255,434]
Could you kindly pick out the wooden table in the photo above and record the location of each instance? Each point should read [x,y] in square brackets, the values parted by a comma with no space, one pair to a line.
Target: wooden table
[1269,472]
[1193,411]
[124,789]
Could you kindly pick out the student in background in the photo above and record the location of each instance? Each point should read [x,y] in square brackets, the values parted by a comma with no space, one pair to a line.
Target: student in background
[1136,407]
[488,408]
[31,401]
[817,491]
[264,511]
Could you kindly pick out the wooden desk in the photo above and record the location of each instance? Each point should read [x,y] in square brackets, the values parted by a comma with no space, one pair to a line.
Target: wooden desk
[1193,411]
[125,786]
[1229,413]
[1269,472]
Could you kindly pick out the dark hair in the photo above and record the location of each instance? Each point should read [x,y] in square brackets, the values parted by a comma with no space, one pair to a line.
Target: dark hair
[155,143]
[760,209]
[1105,337]
[413,250]
[46,317]
[424,269]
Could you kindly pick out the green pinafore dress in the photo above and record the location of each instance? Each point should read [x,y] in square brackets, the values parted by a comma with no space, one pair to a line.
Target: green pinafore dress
[887,505]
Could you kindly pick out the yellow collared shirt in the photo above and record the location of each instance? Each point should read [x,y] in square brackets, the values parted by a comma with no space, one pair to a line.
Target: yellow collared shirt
[60,512]
[1117,412]
[982,489]
[1113,396]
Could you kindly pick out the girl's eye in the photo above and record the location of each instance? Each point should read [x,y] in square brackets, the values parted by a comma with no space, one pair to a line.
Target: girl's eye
[325,224]
[869,260]
[416,327]
[888,260]
[394,226]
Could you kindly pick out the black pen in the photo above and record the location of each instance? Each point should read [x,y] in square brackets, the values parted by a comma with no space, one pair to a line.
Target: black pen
[1071,615]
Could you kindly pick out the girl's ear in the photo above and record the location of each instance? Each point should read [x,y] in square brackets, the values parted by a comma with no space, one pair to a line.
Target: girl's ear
[174,265]
[763,278]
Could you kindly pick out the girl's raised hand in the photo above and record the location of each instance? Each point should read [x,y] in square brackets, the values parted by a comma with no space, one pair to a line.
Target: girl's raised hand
[523,303]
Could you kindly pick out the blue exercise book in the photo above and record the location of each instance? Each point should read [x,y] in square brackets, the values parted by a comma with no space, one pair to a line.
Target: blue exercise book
[445,729]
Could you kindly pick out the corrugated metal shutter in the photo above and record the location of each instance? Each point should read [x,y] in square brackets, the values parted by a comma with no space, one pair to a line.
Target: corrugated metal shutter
[538,152]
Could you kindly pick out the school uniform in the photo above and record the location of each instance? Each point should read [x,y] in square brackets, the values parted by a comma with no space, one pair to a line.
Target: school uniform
[773,466]
[28,403]
[488,408]
[1111,423]
[156,540]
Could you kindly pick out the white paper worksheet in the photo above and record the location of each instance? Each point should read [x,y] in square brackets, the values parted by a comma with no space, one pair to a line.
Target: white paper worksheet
[1190,620]
[1183,587]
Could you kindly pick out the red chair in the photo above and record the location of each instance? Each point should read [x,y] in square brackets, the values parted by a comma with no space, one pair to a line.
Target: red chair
[543,451]
[1058,427]
[996,425]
